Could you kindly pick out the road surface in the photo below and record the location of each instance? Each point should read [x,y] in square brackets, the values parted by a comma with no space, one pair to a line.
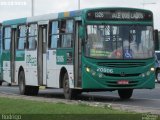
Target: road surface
[148,99]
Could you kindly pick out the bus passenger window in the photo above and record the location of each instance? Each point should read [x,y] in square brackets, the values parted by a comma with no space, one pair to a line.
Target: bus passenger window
[7,38]
[66,41]
[63,27]
[7,44]
[54,35]
[22,31]
[66,38]
[32,37]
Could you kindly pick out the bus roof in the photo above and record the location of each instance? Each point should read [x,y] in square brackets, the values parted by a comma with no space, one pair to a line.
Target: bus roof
[52,16]
[14,21]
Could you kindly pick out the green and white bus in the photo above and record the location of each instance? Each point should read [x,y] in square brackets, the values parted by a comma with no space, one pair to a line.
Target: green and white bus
[99,49]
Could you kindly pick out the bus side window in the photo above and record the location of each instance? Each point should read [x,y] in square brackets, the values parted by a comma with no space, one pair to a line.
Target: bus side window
[32,36]
[67,34]
[54,35]
[7,38]
[21,43]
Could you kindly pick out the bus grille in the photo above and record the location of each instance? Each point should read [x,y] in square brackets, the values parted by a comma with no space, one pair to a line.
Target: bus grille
[122,64]
[122,75]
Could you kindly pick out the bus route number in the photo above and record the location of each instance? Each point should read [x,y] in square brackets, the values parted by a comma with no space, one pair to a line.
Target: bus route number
[99,15]
[104,70]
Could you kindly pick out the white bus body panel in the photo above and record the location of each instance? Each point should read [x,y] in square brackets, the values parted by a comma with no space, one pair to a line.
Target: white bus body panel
[31,68]
[6,71]
[53,71]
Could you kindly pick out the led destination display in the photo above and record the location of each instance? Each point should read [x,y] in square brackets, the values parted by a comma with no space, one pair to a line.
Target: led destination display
[118,15]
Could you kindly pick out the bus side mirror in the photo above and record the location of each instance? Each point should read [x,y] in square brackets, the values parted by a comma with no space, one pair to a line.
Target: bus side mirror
[81,32]
[156,40]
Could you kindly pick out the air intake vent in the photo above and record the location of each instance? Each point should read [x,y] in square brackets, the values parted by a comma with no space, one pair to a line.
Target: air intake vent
[122,64]
[122,75]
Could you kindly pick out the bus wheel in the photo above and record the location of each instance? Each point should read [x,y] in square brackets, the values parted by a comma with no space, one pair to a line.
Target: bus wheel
[21,81]
[1,83]
[68,92]
[26,90]
[158,76]
[125,93]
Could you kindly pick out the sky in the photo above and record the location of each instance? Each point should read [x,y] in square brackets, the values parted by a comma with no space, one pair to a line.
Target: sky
[11,9]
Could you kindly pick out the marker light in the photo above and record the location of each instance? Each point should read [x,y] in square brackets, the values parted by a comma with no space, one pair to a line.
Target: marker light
[152,69]
[87,69]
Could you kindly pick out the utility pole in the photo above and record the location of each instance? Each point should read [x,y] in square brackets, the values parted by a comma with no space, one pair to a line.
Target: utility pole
[79,4]
[32,8]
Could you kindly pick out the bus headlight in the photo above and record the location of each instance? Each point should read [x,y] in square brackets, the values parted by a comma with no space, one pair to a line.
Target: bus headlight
[88,69]
[152,69]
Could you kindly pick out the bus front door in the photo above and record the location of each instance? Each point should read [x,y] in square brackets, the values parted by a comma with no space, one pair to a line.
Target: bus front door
[78,55]
[42,38]
[12,55]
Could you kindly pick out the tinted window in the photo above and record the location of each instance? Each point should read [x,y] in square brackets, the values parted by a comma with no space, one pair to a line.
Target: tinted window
[22,32]
[54,35]
[32,37]
[67,33]
[7,38]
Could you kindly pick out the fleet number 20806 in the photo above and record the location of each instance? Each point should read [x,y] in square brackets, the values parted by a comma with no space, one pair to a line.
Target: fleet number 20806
[104,70]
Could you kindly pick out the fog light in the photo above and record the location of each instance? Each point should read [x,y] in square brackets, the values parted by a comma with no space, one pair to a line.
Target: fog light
[87,69]
[152,69]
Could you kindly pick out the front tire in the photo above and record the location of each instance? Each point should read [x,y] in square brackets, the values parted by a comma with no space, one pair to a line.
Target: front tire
[68,92]
[125,93]
[24,89]
[1,83]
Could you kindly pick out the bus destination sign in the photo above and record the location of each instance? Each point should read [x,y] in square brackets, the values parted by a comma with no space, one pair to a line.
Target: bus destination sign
[118,15]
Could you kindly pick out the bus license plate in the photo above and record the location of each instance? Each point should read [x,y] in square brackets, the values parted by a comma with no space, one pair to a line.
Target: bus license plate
[123,82]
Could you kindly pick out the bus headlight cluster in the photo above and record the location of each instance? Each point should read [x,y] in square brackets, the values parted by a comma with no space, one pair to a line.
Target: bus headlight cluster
[93,73]
[148,72]
[88,69]
[145,74]
[152,69]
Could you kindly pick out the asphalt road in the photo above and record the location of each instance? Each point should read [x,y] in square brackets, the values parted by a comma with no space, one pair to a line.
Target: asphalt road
[141,98]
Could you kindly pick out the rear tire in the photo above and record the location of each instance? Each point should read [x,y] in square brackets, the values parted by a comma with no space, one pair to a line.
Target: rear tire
[125,93]
[68,92]
[1,83]
[158,75]
[23,88]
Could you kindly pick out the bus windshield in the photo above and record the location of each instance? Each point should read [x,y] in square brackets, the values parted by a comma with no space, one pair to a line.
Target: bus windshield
[119,41]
